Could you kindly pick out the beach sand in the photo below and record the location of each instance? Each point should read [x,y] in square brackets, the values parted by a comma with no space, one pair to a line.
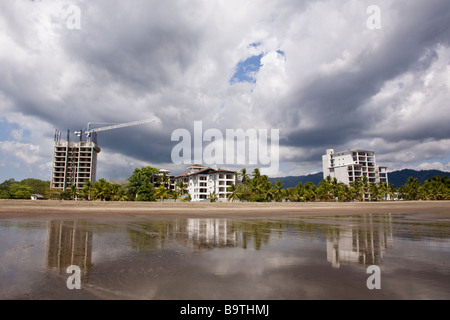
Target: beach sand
[53,209]
[295,267]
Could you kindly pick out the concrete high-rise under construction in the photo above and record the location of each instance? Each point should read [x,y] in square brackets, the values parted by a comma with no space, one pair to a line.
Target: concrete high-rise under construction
[74,162]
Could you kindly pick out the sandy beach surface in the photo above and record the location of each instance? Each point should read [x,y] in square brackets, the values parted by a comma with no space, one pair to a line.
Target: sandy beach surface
[253,251]
[49,209]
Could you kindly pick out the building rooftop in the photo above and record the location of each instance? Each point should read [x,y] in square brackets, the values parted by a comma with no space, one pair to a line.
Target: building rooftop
[355,150]
[204,171]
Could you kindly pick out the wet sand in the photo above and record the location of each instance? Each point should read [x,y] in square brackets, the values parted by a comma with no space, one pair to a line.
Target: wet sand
[287,251]
[49,209]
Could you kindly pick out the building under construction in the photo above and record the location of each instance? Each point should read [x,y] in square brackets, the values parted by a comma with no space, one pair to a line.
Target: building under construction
[74,162]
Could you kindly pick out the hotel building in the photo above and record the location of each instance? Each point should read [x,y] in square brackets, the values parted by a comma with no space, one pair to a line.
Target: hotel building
[201,182]
[348,166]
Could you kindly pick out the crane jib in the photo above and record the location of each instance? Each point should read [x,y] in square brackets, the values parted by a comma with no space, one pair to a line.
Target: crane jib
[121,125]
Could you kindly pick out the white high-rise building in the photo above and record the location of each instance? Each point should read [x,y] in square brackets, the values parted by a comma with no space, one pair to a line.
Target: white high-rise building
[202,182]
[347,166]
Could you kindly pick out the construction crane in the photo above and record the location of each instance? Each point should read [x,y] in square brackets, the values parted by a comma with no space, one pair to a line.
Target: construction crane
[75,163]
[90,131]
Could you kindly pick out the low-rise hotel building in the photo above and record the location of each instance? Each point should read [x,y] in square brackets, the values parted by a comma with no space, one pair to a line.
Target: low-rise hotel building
[202,182]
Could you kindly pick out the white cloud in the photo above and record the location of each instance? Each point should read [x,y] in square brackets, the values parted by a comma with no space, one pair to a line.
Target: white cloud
[17,134]
[24,152]
[434,166]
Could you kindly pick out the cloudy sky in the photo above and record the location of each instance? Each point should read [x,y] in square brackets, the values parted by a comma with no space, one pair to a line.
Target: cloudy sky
[326,74]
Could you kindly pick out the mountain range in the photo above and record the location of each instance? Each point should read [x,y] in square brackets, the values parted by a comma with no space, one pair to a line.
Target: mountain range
[397,178]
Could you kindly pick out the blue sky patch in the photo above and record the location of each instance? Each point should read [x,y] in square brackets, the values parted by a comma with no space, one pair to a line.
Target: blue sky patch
[254,44]
[7,129]
[247,69]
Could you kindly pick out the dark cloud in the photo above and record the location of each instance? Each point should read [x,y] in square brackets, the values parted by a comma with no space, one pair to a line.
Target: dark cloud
[334,102]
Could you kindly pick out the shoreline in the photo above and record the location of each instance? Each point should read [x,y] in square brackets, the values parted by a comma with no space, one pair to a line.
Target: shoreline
[58,209]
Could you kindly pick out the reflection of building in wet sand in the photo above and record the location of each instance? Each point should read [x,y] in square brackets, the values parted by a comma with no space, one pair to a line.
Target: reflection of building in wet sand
[363,244]
[207,233]
[68,244]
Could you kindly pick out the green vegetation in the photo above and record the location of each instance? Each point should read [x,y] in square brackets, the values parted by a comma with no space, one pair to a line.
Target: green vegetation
[257,188]
[146,184]
[11,189]
[435,188]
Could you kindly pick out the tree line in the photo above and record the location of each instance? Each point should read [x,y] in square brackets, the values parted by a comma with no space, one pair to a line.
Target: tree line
[12,189]
[147,184]
[255,187]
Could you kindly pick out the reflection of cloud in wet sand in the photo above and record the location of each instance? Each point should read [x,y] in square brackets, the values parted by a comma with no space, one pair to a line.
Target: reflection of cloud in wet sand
[250,262]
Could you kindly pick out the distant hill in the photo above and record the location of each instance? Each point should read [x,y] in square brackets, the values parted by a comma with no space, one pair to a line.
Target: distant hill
[397,178]
[291,182]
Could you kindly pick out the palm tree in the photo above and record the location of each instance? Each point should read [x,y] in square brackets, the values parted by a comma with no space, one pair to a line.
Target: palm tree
[335,187]
[357,190]
[310,191]
[279,190]
[412,189]
[101,190]
[345,193]
[243,192]
[364,187]
[374,191]
[298,193]
[325,191]
[435,188]
[73,191]
[244,176]
[254,186]
[213,197]
[118,192]
[383,190]
[233,192]
[391,191]
[85,193]
[180,188]
[269,194]
[161,192]
[257,175]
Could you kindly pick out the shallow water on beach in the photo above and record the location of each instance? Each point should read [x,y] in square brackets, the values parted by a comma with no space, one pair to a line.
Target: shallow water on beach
[307,257]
